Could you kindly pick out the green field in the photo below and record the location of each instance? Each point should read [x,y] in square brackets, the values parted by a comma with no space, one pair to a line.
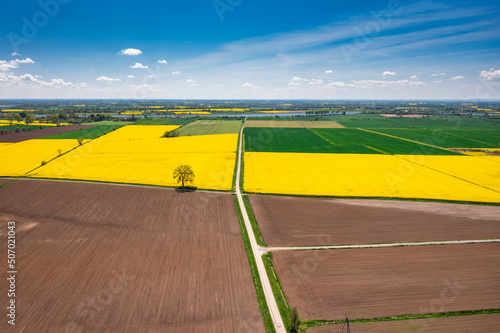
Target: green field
[363,121]
[26,127]
[89,133]
[109,122]
[491,138]
[206,127]
[292,140]
[448,123]
[449,138]
[381,143]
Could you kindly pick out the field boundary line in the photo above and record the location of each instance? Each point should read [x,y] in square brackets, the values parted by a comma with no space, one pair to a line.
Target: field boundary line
[397,137]
[264,278]
[369,246]
[457,136]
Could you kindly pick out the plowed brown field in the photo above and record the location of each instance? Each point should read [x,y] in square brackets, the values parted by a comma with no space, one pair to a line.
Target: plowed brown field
[4,181]
[40,133]
[287,221]
[465,324]
[369,283]
[112,258]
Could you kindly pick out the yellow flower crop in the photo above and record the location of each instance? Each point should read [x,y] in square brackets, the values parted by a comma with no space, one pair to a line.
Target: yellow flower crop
[374,176]
[17,159]
[122,156]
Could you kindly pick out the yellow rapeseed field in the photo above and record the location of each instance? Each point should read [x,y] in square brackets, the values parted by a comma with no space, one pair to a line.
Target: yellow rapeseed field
[374,176]
[124,158]
[17,159]
[139,132]
[192,112]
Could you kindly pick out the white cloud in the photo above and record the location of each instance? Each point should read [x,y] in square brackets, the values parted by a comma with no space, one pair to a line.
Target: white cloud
[192,82]
[8,65]
[130,76]
[162,61]
[176,72]
[386,84]
[138,65]
[440,74]
[83,85]
[316,82]
[329,71]
[459,77]
[130,52]
[414,77]
[492,74]
[107,79]
[384,74]
[295,84]
[15,54]
[296,78]
[438,81]
[251,86]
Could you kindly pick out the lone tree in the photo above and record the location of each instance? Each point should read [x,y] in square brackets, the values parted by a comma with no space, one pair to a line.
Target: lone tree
[184,174]
[29,118]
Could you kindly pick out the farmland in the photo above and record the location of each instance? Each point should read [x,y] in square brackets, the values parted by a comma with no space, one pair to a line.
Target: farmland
[40,133]
[19,158]
[481,323]
[368,283]
[98,257]
[207,127]
[382,143]
[137,154]
[358,175]
[88,133]
[285,140]
[448,138]
[286,221]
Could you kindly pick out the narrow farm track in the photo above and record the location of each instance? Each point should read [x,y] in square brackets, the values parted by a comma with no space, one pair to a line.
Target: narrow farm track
[257,252]
[364,246]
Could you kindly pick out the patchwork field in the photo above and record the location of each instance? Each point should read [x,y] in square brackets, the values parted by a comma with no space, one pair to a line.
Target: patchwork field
[206,127]
[369,283]
[136,154]
[289,221]
[19,158]
[114,258]
[358,175]
[40,133]
[477,323]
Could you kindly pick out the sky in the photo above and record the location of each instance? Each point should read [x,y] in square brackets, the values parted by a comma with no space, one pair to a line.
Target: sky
[250,49]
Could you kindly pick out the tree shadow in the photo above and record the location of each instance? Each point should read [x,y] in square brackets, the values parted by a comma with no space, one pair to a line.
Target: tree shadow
[186,189]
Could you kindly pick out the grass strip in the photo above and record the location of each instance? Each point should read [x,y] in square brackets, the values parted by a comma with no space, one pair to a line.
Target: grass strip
[315,323]
[2,186]
[264,310]
[253,222]
[283,306]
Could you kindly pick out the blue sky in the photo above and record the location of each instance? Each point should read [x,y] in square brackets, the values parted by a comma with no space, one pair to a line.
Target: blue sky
[257,49]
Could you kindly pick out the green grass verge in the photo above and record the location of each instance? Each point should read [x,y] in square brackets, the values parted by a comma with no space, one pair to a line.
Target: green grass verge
[88,133]
[207,127]
[283,306]
[253,222]
[8,183]
[321,322]
[264,310]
